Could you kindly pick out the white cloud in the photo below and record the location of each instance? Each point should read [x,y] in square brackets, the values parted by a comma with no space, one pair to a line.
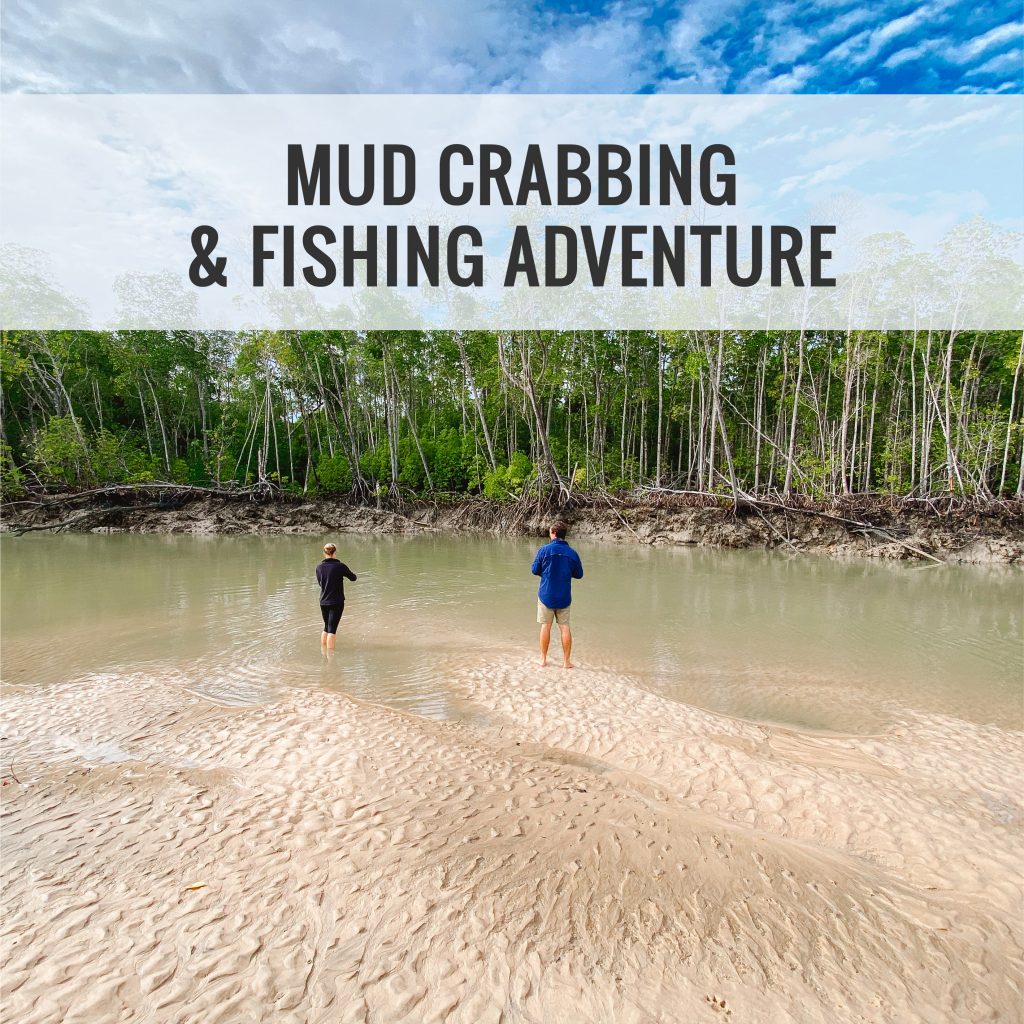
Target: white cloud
[973,48]
[782,40]
[900,26]
[324,46]
[603,56]
[908,54]
[848,20]
[1011,60]
[866,45]
[698,65]
[215,46]
[791,81]
[831,172]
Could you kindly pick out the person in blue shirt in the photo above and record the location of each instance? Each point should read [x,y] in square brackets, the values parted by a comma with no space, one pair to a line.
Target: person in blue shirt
[557,565]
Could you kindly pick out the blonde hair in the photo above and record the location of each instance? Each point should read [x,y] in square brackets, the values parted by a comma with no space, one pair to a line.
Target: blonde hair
[329,549]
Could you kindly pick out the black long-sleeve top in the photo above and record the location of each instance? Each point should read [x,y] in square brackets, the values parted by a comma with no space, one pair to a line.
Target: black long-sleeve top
[331,575]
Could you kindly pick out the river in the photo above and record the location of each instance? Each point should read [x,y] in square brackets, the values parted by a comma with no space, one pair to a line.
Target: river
[800,641]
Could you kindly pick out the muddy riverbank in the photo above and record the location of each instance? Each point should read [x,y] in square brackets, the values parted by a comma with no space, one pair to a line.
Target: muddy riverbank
[956,532]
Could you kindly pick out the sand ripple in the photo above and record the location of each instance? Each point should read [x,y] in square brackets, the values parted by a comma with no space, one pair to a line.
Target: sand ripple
[583,852]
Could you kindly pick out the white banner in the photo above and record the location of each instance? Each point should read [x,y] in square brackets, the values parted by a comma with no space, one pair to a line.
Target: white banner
[869,212]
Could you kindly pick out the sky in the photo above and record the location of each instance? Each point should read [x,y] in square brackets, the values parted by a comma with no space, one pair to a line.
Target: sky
[153,138]
[510,46]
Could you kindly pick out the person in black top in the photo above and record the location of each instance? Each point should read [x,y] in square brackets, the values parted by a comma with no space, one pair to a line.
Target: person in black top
[331,575]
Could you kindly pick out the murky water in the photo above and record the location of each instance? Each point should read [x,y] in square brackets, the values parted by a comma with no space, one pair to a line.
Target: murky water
[804,641]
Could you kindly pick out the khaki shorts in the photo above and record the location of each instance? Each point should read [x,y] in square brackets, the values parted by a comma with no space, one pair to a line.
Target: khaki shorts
[546,615]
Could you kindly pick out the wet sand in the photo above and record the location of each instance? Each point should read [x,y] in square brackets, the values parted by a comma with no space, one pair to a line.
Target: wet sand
[574,850]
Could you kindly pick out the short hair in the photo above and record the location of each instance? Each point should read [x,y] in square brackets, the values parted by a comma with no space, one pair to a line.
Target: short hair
[559,529]
[329,549]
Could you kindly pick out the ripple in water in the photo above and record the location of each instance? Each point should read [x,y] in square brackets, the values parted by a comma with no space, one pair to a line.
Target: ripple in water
[805,642]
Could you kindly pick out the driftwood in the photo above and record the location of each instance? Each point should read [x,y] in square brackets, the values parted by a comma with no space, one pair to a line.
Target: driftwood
[415,522]
[858,527]
[185,492]
[622,520]
[885,517]
[853,525]
[111,499]
[63,524]
[778,533]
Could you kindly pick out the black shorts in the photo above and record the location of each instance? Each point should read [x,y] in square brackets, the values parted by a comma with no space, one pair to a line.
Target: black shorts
[332,616]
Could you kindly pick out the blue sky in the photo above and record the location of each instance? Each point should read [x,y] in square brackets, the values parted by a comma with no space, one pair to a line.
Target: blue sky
[412,46]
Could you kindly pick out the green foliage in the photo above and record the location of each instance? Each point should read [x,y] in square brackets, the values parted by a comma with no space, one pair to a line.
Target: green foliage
[410,465]
[105,457]
[625,481]
[375,463]
[179,471]
[140,469]
[509,481]
[122,460]
[334,475]
[520,469]
[448,468]
[496,485]
[12,479]
[82,408]
[63,456]
[474,463]
[59,451]
[198,473]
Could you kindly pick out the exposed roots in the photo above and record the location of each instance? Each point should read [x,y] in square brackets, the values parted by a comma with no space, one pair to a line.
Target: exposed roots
[934,529]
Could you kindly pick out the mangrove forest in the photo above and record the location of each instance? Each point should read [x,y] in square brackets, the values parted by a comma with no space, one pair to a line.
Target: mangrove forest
[503,414]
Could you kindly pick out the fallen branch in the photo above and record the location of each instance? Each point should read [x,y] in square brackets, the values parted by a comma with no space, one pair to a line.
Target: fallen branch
[902,543]
[183,491]
[853,525]
[63,524]
[625,524]
[859,526]
[771,526]
[422,526]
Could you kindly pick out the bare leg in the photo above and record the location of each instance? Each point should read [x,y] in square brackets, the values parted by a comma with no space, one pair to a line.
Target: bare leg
[566,646]
[330,641]
[545,639]
[323,638]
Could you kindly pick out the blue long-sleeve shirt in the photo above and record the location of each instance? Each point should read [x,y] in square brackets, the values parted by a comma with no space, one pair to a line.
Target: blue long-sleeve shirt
[557,565]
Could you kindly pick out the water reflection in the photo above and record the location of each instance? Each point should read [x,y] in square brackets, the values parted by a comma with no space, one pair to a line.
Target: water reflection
[807,641]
